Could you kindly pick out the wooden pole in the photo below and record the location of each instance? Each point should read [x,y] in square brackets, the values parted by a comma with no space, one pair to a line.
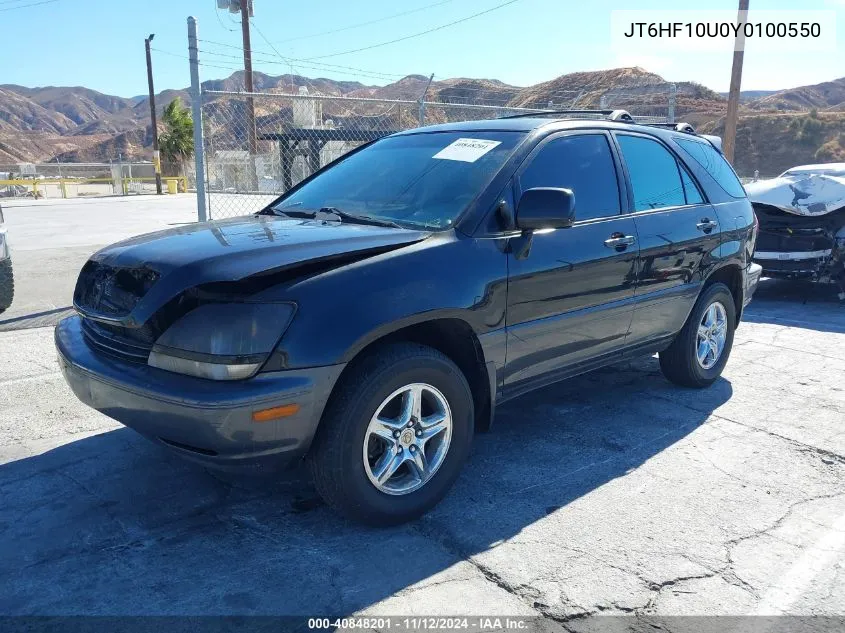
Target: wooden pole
[156,155]
[246,11]
[729,141]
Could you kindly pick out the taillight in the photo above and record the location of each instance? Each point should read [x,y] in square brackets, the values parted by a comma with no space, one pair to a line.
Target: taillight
[754,231]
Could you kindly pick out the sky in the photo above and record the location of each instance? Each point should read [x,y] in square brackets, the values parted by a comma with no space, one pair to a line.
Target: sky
[99,44]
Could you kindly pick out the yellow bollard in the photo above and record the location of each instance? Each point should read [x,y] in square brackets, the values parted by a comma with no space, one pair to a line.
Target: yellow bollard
[172,185]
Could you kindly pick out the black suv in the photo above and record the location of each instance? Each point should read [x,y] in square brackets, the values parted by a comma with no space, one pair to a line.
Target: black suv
[371,318]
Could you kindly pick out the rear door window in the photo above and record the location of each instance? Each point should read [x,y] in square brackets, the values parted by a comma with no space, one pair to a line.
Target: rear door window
[691,191]
[712,160]
[654,173]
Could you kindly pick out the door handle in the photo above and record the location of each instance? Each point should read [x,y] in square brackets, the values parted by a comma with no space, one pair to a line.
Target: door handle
[620,242]
[706,225]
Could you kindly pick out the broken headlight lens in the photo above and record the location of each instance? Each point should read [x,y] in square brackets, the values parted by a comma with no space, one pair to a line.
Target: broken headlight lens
[222,341]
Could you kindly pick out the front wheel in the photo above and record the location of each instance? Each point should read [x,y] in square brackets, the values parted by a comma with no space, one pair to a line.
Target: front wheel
[699,353]
[394,435]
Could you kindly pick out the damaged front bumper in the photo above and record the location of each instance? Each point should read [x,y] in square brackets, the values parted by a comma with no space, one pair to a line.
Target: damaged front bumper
[801,247]
[203,420]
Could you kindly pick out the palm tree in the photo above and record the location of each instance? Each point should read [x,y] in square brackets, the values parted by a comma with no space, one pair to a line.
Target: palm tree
[177,141]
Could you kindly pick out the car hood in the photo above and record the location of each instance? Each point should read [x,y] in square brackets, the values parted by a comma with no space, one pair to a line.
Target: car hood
[801,194]
[128,281]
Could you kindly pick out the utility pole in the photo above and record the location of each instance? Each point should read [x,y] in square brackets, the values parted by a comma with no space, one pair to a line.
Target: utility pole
[729,142]
[246,11]
[156,154]
[196,106]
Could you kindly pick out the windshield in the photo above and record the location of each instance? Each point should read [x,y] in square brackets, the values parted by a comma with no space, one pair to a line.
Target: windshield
[418,180]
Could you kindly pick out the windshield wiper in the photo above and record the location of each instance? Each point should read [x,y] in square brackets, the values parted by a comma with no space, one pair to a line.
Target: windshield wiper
[343,215]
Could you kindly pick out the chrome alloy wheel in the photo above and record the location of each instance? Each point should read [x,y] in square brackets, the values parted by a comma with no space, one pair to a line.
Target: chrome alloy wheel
[407,439]
[712,333]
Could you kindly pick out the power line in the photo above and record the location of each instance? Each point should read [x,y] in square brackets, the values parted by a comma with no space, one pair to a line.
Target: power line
[233,66]
[564,95]
[34,4]
[290,64]
[311,85]
[360,24]
[163,52]
[217,13]
[420,34]
[287,60]
[509,93]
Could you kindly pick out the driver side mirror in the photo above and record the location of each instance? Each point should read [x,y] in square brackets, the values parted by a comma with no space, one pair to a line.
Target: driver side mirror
[545,208]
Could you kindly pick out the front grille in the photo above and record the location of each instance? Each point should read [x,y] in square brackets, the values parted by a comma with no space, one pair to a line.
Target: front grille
[800,240]
[803,267]
[127,344]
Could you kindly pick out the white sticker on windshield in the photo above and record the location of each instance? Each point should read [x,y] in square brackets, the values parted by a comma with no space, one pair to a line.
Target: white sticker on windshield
[467,150]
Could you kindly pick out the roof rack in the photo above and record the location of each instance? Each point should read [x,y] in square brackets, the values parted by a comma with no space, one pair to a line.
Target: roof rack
[622,116]
[612,115]
[678,127]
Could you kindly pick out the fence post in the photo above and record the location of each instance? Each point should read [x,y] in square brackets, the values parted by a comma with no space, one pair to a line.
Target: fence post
[422,100]
[673,91]
[196,106]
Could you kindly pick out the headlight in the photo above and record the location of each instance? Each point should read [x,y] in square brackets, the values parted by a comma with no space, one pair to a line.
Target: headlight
[222,341]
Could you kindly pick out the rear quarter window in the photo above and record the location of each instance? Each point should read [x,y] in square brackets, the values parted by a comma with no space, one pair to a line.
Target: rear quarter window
[712,160]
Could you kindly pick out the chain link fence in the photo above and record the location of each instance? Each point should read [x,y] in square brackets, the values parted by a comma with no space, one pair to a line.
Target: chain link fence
[86,180]
[297,134]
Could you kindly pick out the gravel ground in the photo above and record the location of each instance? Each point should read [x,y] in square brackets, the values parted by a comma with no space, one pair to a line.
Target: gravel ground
[612,493]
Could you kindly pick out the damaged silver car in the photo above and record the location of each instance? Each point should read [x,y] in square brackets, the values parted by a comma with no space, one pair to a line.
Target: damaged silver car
[802,224]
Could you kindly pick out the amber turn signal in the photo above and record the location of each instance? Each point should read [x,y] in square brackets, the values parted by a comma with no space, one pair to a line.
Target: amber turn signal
[284,411]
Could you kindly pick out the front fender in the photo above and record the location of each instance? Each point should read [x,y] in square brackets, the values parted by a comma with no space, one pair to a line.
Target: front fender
[341,311]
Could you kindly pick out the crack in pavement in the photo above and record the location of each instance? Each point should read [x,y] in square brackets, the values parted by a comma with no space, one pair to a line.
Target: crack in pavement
[439,533]
[726,572]
[800,445]
[448,542]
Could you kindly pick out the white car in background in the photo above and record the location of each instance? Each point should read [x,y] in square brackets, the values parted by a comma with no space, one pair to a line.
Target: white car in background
[802,223]
[7,280]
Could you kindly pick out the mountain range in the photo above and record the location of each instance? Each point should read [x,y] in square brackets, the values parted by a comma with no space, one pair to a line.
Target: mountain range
[73,124]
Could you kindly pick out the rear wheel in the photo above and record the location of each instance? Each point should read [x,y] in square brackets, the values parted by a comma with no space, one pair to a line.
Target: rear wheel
[7,284]
[699,353]
[394,436]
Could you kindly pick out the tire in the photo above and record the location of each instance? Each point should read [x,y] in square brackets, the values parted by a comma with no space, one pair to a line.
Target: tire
[679,362]
[7,284]
[340,463]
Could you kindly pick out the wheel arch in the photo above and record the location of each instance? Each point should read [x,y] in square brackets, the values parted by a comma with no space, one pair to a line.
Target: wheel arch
[455,338]
[729,274]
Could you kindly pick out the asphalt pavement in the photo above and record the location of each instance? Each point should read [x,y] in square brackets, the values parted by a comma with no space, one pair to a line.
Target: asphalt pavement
[615,493]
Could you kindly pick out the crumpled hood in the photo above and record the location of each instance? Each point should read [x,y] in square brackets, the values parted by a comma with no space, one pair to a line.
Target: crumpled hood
[801,194]
[127,281]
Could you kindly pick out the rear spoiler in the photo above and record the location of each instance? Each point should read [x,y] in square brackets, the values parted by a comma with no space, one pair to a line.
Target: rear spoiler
[715,141]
